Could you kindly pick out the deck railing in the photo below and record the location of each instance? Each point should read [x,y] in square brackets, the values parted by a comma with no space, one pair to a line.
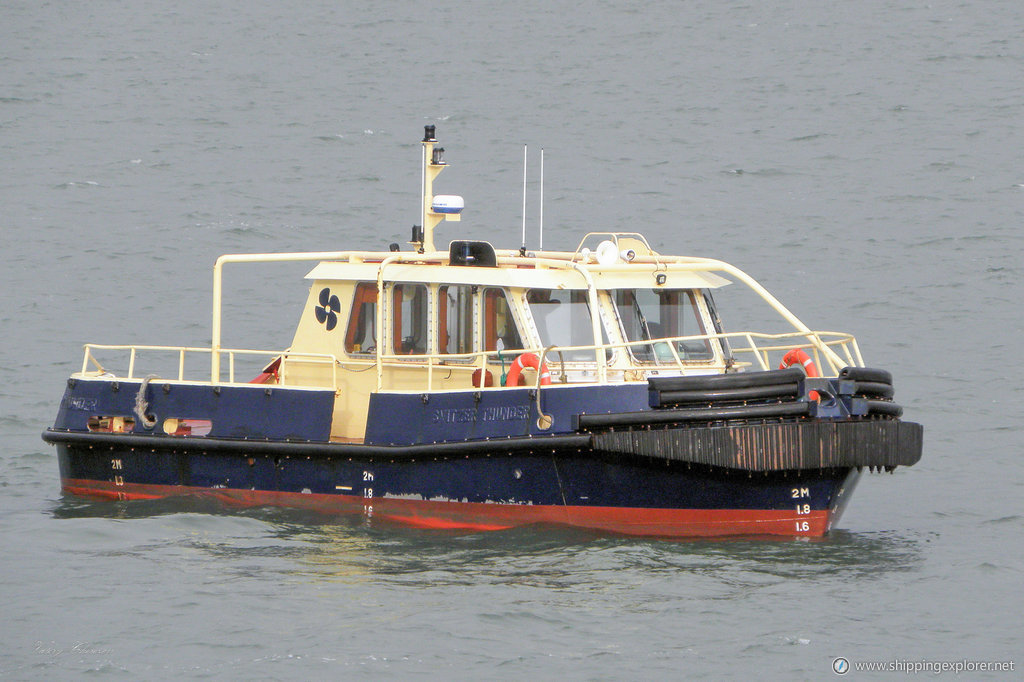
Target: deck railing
[746,350]
[231,353]
[756,353]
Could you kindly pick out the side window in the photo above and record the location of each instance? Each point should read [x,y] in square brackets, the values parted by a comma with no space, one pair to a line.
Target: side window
[361,336]
[499,323]
[409,321]
[455,319]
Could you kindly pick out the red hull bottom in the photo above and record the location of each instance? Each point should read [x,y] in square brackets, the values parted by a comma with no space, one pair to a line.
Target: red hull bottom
[669,523]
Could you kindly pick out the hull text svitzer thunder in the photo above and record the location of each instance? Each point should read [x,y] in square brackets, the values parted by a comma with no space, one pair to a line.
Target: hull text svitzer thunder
[478,388]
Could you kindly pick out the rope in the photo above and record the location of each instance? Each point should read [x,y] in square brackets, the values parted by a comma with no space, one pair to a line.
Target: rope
[142,405]
[544,421]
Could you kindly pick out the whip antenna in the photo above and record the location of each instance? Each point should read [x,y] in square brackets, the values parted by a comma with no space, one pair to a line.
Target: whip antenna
[522,249]
[541,246]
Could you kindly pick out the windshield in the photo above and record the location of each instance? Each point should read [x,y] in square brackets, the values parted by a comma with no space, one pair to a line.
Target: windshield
[647,314]
[563,319]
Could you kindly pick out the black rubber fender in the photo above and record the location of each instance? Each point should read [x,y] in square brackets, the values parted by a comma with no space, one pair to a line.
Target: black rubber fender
[699,414]
[779,391]
[866,374]
[873,389]
[717,382]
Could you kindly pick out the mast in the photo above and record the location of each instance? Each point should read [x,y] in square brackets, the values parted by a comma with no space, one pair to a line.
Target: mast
[441,207]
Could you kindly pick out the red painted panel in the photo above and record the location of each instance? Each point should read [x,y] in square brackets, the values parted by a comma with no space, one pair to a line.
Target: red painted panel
[677,523]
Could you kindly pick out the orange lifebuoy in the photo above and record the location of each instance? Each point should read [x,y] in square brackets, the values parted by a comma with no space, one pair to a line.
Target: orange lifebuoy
[523,361]
[798,357]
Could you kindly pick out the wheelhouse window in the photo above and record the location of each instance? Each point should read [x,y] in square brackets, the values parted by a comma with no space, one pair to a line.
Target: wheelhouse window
[410,319]
[455,319]
[650,314]
[563,319]
[499,328]
[361,336]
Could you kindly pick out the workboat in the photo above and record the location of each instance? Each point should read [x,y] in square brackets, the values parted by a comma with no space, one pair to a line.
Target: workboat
[482,389]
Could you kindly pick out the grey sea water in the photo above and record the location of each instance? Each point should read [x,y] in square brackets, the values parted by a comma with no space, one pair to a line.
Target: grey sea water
[863,160]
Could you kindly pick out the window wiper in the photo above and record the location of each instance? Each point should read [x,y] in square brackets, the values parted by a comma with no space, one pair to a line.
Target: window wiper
[645,330]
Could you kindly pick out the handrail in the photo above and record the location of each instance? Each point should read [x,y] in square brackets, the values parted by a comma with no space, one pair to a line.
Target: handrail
[182,351]
[379,319]
[759,345]
[615,236]
[595,319]
[688,264]
[666,263]
[702,264]
[218,281]
[769,343]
